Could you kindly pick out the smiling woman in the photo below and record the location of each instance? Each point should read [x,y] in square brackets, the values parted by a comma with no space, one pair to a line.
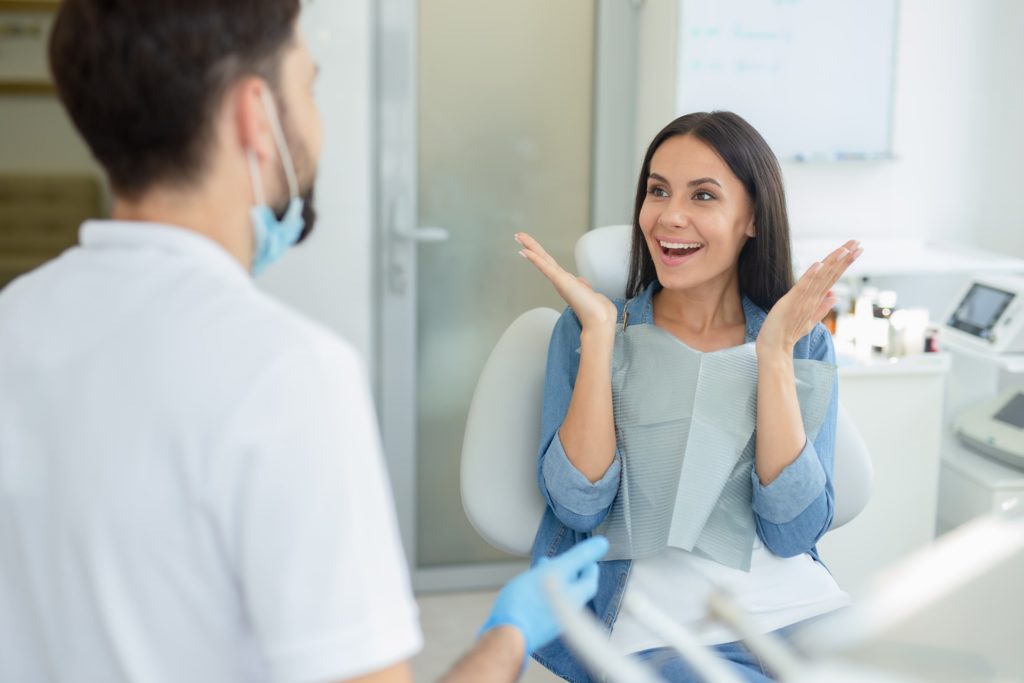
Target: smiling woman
[707,418]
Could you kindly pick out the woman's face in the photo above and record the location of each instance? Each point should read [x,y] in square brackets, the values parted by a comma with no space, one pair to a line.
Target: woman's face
[696,216]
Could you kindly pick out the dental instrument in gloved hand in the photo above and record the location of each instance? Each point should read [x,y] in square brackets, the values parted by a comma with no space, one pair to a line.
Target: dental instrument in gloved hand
[523,603]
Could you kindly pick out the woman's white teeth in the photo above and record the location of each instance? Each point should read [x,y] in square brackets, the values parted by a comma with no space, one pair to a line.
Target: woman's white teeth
[679,245]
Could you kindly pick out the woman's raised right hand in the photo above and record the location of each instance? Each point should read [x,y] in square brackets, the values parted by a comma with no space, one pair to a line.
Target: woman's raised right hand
[595,310]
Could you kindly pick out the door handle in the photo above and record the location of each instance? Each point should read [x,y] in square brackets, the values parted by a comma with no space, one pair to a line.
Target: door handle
[397,276]
[426,234]
[398,258]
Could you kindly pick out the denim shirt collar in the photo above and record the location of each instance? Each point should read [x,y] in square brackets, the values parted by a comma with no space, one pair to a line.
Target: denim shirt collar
[640,310]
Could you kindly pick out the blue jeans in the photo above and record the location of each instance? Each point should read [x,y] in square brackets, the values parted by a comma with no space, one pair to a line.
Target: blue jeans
[672,668]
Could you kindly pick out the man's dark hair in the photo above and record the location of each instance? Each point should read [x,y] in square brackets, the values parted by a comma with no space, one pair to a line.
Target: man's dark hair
[142,79]
[765,267]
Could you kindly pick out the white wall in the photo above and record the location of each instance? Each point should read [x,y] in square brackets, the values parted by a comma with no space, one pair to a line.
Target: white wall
[656,76]
[957,130]
[615,68]
[330,276]
[1000,226]
[939,108]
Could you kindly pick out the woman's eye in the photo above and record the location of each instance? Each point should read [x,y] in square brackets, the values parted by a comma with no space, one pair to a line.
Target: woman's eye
[703,196]
[657,191]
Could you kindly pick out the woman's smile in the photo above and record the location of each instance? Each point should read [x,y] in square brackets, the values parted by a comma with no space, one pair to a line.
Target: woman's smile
[676,253]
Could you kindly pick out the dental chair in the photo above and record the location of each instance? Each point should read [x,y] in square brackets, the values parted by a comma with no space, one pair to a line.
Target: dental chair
[499,451]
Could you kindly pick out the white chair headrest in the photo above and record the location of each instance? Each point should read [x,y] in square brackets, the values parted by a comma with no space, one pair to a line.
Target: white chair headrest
[602,258]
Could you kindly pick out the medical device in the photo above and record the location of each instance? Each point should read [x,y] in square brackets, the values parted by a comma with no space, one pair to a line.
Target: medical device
[995,426]
[989,315]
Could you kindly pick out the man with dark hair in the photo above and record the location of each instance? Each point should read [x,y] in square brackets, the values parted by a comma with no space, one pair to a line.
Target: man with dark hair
[191,482]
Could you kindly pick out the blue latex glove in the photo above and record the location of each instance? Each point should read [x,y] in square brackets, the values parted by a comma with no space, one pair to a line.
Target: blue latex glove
[523,604]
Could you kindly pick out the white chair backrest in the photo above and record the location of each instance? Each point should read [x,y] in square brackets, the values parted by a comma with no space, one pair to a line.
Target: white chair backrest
[853,474]
[499,452]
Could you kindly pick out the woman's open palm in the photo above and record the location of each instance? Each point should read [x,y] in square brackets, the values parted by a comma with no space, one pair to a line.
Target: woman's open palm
[795,314]
[594,309]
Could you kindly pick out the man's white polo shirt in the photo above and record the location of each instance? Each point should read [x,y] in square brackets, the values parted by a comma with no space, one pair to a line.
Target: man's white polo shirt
[191,480]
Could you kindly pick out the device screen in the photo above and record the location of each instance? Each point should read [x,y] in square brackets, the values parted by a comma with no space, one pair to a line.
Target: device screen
[1013,412]
[980,309]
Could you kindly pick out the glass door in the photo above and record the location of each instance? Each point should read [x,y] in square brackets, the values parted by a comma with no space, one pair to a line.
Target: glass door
[485,129]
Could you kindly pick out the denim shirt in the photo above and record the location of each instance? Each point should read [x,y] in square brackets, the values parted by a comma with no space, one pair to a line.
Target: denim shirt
[791,513]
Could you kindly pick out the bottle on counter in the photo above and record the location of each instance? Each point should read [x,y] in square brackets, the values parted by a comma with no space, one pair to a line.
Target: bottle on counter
[882,308]
[863,326]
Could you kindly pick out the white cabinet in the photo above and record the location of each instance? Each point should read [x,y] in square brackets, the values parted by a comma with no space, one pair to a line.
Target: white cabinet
[971,484]
[897,406]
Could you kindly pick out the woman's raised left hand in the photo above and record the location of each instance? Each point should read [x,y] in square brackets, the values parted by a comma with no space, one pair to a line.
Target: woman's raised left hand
[795,314]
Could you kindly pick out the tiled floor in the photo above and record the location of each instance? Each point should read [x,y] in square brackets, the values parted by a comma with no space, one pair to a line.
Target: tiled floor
[450,622]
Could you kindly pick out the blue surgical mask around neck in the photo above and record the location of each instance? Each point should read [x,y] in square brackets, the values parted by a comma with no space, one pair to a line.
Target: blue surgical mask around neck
[272,236]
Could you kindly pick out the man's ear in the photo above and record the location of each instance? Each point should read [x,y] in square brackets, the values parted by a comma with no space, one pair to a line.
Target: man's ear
[249,113]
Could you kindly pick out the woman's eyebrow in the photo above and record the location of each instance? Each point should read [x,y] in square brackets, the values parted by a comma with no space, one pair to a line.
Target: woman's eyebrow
[693,183]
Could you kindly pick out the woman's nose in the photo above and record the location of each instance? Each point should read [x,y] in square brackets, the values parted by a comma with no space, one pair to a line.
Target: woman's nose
[674,216]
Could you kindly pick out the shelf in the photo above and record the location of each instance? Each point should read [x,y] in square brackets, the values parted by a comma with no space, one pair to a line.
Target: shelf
[920,364]
[1008,362]
[883,257]
[992,474]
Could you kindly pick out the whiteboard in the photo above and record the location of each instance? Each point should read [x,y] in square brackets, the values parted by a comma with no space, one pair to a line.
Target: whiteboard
[814,77]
